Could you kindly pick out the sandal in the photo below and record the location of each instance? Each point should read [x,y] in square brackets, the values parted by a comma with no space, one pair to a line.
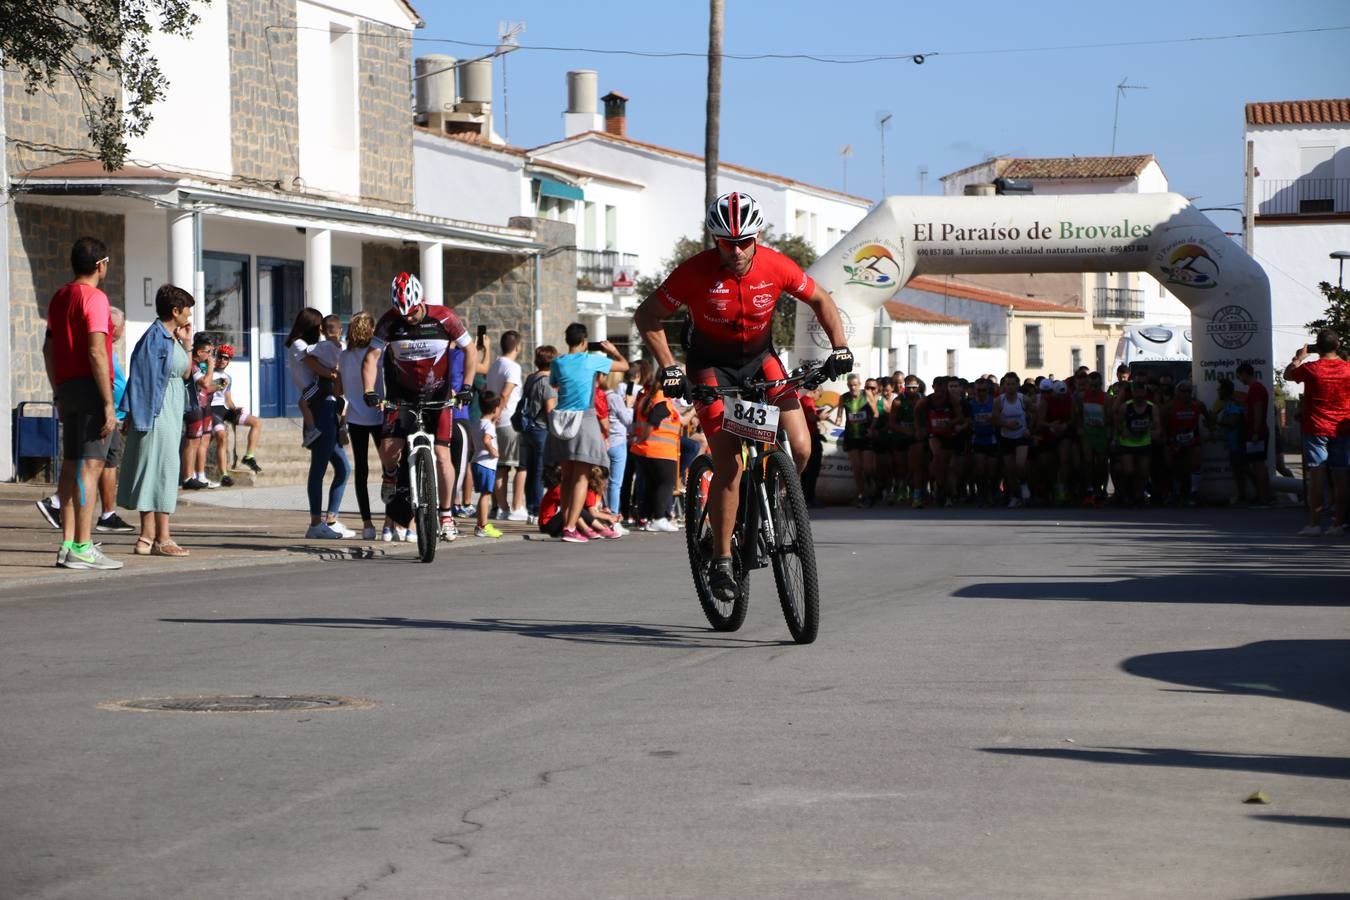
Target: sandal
[167,548]
[148,544]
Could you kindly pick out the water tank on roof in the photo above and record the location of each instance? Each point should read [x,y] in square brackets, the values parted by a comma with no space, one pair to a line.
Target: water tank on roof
[435,81]
[475,82]
[582,87]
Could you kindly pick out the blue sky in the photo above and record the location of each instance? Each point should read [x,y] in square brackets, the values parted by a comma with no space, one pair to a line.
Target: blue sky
[963,104]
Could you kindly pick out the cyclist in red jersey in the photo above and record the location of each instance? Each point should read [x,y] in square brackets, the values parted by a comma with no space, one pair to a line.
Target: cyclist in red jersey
[413,340]
[730,292]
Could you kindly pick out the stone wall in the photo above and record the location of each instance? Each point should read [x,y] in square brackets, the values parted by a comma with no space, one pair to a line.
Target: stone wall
[491,289]
[45,127]
[386,114]
[39,263]
[264,93]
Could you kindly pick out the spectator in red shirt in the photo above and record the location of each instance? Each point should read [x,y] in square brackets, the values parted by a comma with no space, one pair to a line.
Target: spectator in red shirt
[1257,422]
[1326,428]
[78,356]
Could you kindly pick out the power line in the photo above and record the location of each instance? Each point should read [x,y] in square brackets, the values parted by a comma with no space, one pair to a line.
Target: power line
[916,57]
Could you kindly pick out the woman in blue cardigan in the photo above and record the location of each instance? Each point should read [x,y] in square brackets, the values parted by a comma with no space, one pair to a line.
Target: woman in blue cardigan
[156,392]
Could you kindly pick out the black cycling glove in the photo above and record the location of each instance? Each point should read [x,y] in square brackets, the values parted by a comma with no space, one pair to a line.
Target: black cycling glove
[838,363]
[673,382]
[464,396]
[372,399]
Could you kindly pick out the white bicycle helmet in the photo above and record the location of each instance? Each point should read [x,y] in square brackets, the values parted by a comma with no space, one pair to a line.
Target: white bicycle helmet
[735,216]
[405,293]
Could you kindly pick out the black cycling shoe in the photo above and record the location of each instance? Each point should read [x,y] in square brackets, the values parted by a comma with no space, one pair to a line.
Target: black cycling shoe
[722,580]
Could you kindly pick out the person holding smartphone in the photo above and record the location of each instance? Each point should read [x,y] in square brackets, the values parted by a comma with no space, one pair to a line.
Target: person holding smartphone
[1326,428]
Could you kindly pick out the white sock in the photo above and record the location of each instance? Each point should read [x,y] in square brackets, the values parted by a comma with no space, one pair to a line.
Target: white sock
[103,517]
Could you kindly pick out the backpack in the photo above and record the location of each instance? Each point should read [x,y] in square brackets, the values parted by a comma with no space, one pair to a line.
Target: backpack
[524,416]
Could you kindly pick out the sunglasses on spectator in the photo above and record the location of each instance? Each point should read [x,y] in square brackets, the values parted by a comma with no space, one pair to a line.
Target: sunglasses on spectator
[736,243]
[106,259]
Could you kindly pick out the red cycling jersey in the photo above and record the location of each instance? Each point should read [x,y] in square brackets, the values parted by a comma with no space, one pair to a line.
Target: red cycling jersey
[417,357]
[732,316]
[1183,425]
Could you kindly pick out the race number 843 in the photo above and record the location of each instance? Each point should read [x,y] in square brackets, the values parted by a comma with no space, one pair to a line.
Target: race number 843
[758,421]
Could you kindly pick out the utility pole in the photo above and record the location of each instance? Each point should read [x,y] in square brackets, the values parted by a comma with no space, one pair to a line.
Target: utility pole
[1120,92]
[883,123]
[711,128]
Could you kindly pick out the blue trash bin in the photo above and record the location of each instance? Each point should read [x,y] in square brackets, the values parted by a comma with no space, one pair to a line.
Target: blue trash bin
[37,437]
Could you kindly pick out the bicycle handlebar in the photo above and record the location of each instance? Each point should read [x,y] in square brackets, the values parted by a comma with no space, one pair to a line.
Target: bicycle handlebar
[808,376]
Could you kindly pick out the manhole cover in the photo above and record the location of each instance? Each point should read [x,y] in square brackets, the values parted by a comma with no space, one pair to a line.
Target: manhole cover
[239,703]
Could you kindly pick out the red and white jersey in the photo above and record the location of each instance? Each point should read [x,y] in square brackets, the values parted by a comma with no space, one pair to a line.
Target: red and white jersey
[417,357]
[732,316]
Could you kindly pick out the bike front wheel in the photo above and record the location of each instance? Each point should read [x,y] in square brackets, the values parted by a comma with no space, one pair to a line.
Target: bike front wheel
[794,549]
[425,513]
[698,537]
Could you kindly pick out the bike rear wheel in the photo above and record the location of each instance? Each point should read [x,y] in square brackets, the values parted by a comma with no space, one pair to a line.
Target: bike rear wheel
[425,514]
[698,538]
[794,550]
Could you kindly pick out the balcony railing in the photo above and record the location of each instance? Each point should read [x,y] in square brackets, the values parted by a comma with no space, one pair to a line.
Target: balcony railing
[595,268]
[1118,303]
[1303,196]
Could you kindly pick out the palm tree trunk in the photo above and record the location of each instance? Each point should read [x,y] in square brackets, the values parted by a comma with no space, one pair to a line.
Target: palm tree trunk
[712,129]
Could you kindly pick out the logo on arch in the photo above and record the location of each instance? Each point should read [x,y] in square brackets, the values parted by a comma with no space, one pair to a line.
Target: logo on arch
[1232,327]
[1191,265]
[872,264]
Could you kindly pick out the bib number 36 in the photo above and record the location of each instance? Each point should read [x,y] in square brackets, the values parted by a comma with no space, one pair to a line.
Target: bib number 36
[756,421]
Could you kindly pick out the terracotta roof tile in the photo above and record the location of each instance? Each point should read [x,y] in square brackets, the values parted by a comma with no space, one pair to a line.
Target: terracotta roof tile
[903,312]
[985,295]
[92,168]
[1298,112]
[1078,167]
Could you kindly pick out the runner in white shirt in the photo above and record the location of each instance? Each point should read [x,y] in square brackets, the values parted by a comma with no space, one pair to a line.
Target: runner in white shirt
[504,379]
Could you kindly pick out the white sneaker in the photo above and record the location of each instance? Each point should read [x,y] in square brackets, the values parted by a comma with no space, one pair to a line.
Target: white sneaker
[209,483]
[322,532]
[619,529]
[1310,531]
[532,519]
[368,533]
[448,530]
[388,536]
[518,515]
[410,536]
[341,529]
[664,525]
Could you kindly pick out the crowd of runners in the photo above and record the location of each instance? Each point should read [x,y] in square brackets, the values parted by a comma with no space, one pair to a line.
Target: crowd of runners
[1014,441]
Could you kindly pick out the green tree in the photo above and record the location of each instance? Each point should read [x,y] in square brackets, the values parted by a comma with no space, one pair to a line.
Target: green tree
[103,48]
[1337,316]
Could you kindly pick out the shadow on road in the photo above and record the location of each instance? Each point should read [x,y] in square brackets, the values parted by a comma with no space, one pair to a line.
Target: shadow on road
[628,633]
[1273,764]
[1317,821]
[1314,671]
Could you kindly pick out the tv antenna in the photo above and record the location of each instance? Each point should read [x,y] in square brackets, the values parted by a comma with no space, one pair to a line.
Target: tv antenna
[923,178]
[845,152]
[507,34]
[883,125]
[1120,92]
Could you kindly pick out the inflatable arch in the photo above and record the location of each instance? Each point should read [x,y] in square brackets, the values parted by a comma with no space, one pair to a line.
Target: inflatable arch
[1226,291]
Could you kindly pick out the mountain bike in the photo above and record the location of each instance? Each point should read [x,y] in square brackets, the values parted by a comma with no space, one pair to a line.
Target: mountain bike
[772,524]
[423,477]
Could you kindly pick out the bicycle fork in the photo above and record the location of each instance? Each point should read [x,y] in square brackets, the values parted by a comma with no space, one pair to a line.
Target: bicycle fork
[759,534]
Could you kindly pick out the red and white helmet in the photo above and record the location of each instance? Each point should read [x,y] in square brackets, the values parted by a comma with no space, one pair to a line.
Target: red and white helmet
[405,293]
[735,216]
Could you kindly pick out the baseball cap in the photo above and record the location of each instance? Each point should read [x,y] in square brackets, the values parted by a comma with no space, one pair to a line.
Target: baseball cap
[1060,387]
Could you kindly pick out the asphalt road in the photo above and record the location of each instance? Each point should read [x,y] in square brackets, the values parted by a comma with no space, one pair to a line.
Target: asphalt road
[1052,705]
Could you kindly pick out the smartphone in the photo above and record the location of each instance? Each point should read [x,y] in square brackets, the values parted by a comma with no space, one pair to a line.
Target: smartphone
[482,332]
[1312,348]
[595,346]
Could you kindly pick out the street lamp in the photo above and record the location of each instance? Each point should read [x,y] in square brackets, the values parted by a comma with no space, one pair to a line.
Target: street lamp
[1341,256]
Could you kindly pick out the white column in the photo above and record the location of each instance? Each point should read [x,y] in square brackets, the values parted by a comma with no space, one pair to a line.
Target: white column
[7,337]
[183,259]
[319,269]
[432,272]
[599,328]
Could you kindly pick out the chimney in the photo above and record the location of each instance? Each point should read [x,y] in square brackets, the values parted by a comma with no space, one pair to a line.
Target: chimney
[582,115]
[616,115]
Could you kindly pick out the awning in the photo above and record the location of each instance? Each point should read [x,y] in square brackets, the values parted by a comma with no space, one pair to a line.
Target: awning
[552,187]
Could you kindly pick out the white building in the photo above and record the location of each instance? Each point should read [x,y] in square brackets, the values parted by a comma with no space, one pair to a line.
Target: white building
[1301,190]
[1116,298]
[920,342]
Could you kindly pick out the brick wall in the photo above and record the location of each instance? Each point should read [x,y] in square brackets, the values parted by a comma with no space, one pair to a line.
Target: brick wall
[39,263]
[558,279]
[386,114]
[379,264]
[263,91]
